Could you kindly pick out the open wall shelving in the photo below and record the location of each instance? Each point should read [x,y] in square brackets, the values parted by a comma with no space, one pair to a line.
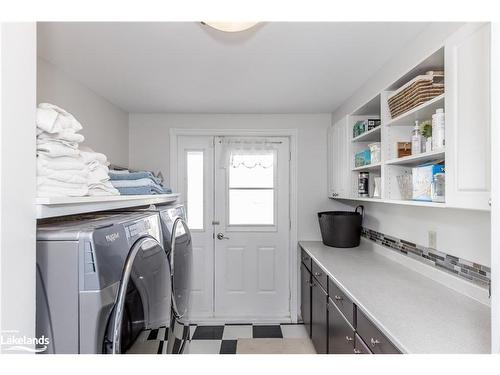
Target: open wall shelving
[390,131]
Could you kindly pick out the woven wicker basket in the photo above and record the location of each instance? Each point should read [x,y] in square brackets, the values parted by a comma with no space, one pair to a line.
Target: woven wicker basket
[416,92]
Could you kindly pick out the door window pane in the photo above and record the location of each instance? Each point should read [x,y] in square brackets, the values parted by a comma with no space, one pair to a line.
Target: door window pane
[256,171]
[251,188]
[251,207]
[194,194]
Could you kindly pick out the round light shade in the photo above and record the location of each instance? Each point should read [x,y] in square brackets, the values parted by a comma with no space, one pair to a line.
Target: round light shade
[231,27]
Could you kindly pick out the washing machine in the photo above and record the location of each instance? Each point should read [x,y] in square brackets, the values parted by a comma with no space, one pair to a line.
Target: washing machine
[178,245]
[101,281]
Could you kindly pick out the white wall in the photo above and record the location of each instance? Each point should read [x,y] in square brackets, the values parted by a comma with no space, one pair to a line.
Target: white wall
[495,188]
[149,149]
[17,178]
[105,126]
[459,232]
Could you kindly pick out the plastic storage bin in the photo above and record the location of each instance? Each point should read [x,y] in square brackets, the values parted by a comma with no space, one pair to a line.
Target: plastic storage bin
[341,228]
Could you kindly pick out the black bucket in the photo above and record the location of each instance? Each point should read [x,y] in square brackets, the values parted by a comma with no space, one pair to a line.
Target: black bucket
[341,228]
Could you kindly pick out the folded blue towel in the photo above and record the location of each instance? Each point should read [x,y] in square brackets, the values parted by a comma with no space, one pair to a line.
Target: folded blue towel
[144,190]
[133,176]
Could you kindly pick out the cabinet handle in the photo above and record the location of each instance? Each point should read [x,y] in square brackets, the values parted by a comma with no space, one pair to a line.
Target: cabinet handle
[357,351]
[349,339]
[374,342]
[338,298]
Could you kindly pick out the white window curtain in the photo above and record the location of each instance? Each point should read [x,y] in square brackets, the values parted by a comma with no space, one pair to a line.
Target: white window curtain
[250,153]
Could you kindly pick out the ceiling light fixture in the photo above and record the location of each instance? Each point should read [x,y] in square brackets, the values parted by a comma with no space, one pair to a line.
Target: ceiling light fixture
[231,27]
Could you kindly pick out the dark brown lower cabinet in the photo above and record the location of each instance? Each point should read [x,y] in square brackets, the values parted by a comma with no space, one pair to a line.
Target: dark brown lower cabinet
[374,339]
[359,346]
[305,299]
[340,332]
[330,318]
[319,318]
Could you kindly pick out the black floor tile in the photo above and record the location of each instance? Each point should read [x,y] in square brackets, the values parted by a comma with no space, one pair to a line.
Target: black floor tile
[267,332]
[228,347]
[153,335]
[160,347]
[176,349]
[208,333]
[166,334]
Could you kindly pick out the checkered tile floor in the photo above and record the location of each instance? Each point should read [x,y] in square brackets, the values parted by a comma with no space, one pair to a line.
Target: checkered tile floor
[217,339]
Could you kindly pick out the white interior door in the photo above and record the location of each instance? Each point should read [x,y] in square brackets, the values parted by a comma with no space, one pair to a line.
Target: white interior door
[195,171]
[251,227]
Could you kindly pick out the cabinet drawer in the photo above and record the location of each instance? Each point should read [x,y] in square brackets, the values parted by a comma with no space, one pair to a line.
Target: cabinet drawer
[340,332]
[306,259]
[359,346]
[320,276]
[343,302]
[376,341]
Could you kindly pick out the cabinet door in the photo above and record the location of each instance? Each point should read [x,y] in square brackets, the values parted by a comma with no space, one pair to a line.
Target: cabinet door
[319,322]
[342,158]
[359,346]
[337,160]
[330,162]
[340,332]
[376,340]
[305,299]
[467,116]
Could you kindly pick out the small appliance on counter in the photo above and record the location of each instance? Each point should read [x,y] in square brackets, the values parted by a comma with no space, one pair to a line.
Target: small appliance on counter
[341,228]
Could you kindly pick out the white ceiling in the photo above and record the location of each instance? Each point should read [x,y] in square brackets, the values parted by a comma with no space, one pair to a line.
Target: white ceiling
[188,67]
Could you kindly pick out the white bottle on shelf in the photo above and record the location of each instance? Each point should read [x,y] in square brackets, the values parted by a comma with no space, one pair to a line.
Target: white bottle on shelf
[438,130]
[416,140]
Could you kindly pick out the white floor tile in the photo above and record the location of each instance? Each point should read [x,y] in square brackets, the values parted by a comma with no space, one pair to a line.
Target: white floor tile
[237,332]
[145,347]
[191,330]
[143,336]
[178,330]
[164,349]
[205,347]
[161,334]
[294,331]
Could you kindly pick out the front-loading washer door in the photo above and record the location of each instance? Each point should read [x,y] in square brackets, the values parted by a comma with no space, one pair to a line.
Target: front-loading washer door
[181,259]
[143,300]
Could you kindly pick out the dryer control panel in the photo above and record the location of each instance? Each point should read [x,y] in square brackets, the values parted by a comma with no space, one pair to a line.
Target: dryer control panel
[145,226]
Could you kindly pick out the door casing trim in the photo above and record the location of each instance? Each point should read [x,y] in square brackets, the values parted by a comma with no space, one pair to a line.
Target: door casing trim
[292,134]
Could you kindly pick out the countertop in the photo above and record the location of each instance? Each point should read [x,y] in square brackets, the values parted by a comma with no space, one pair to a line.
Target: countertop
[418,314]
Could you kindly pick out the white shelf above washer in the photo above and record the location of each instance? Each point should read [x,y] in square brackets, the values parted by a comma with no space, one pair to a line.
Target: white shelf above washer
[62,206]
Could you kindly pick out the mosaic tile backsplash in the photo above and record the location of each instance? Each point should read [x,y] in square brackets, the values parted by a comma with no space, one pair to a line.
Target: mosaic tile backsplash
[476,273]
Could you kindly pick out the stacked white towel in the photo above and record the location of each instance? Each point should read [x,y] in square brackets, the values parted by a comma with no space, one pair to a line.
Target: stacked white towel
[97,165]
[62,168]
